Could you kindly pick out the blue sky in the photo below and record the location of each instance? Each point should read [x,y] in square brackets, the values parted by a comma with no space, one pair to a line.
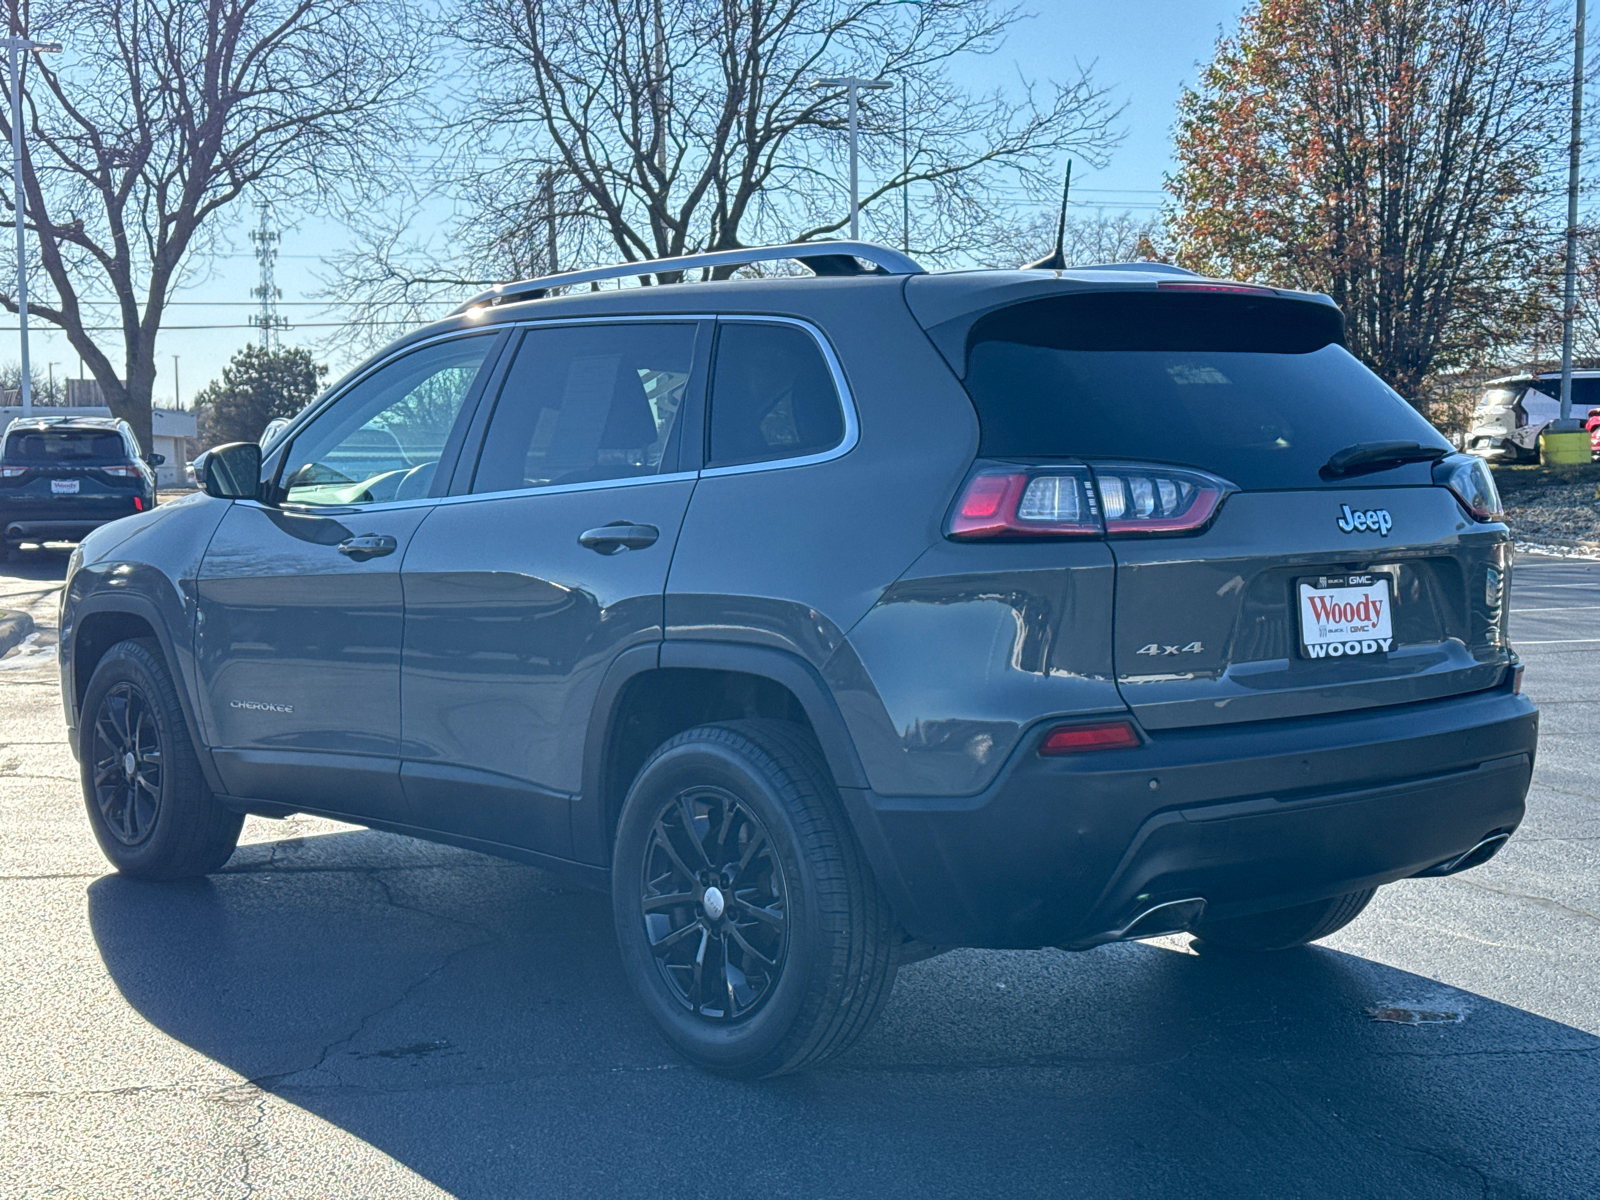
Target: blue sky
[1144,49]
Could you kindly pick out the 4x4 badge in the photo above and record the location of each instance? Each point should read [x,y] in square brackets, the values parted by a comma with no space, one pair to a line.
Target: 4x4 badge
[1373,520]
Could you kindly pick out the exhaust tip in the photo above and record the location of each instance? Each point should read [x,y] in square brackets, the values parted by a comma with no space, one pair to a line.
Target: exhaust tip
[1175,916]
[1475,857]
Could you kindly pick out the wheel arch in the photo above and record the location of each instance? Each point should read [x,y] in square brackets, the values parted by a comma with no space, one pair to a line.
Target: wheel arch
[654,692]
[100,622]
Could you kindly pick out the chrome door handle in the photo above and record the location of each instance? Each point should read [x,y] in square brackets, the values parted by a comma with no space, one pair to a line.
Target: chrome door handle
[368,545]
[619,536]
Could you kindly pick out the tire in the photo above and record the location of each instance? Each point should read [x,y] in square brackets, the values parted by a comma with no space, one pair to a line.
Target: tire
[1284,928]
[159,820]
[788,989]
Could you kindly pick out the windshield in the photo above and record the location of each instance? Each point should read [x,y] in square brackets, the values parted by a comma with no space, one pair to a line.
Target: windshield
[1258,391]
[62,447]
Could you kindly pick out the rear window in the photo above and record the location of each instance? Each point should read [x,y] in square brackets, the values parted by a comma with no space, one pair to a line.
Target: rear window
[62,447]
[1256,389]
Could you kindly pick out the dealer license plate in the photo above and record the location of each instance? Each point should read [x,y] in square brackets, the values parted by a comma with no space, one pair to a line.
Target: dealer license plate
[1344,616]
[64,487]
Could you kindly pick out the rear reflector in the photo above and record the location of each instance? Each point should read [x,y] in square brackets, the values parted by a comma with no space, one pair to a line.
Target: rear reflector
[138,504]
[1076,739]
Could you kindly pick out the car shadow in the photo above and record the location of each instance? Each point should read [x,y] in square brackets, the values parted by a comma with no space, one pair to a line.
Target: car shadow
[47,564]
[469,1018]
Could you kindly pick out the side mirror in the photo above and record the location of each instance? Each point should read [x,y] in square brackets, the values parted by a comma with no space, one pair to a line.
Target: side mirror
[155,460]
[233,472]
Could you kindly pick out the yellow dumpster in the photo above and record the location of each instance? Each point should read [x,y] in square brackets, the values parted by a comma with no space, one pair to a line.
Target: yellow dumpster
[1557,449]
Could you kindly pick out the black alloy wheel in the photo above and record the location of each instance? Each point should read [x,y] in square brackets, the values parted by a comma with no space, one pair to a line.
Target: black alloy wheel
[749,924]
[715,904]
[143,788]
[127,764]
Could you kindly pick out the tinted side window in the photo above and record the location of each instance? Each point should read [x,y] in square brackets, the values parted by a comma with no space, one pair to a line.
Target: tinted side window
[772,396]
[586,402]
[382,439]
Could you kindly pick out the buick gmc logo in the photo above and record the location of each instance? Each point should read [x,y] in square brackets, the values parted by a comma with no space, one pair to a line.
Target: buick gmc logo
[1372,520]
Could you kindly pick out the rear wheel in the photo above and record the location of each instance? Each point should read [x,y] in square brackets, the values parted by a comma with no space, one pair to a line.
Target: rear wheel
[748,922]
[1284,928]
[148,804]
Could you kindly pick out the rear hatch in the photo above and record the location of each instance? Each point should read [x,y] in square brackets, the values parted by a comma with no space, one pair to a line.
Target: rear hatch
[1276,554]
[65,473]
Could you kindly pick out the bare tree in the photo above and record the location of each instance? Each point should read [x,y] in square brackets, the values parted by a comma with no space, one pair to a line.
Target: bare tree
[1106,237]
[1390,152]
[642,129]
[162,114]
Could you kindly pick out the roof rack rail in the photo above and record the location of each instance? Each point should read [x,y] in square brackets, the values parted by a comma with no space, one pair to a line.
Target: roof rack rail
[824,258]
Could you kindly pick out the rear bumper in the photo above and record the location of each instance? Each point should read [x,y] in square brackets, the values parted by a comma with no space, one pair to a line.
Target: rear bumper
[56,529]
[1071,851]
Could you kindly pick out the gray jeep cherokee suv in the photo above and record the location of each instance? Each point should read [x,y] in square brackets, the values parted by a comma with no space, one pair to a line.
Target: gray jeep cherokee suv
[830,621]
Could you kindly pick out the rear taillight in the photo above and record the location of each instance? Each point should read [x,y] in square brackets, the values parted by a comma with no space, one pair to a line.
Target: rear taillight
[123,472]
[1116,499]
[1150,500]
[1014,502]
[1472,483]
[1097,735]
[12,472]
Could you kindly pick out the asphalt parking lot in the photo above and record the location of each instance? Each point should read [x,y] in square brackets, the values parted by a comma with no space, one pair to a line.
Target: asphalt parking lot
[348,1013]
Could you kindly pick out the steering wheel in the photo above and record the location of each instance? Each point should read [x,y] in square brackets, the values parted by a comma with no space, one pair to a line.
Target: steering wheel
[414,483]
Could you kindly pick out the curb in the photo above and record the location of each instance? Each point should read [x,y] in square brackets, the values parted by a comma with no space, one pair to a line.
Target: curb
[14,626]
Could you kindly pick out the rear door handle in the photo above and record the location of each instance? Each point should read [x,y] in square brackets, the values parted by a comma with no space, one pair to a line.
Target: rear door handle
[368,545]
[619,536]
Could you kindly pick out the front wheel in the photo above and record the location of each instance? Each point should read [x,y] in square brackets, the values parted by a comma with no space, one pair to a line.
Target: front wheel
[1284,928]
[749,924]
[149,806]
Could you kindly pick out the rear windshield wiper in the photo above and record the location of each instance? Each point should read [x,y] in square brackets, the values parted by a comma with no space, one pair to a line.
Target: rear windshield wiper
[1377,456]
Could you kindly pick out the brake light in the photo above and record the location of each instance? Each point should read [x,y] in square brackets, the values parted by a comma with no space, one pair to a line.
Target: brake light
[1101,735]
[1151,500]
[1119,499]
[12,472]
[124,472]
[1472,483]
[1238,289]
[1024,503]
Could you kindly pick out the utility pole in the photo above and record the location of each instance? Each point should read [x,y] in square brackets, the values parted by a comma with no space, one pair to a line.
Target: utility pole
[177,399]
[266,242]
[51,386]
[547,192]
[905,163]
[16,46]
[1572,220]
[853,86]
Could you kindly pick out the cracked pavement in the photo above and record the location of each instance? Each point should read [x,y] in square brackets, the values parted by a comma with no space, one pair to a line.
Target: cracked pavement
[348,1013]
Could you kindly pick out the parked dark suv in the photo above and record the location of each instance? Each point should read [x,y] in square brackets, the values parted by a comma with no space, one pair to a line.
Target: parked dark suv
[833,621]
[62,477]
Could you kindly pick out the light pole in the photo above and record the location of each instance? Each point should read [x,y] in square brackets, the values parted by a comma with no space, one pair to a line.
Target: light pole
[1567,424]
[16,46]
[177,398]
[51,390]
[852,86]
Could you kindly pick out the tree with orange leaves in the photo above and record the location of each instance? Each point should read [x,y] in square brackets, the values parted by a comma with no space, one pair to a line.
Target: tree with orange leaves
[1392,153]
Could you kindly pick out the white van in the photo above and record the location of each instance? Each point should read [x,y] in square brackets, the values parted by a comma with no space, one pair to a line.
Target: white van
[1514,411]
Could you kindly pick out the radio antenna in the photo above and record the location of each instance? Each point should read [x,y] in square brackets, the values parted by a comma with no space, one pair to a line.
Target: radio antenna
[1056,260]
